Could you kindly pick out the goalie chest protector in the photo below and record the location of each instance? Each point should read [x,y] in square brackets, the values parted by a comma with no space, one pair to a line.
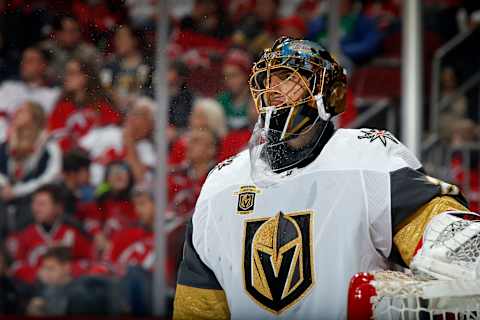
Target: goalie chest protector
[288,251]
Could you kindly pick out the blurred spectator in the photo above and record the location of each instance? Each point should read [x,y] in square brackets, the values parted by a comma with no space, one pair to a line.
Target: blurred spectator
[256,31]
[360,38]
[181,97]
[126,74]
[186,179]
[236,100]
[66,43]
[31,87]
[21,26]
[206,30]
[385,13]
[133,143]
[292,26]
[207,18]
[27,159]
[134,245]
[114,203]
[141,13]
[97,19]
[54,275]
[137,139]
[83,105]
[49,229]
[9,299]
[452,118]
[207,114]
[76,180]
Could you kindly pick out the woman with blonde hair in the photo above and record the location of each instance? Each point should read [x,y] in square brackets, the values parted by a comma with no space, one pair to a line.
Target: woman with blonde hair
[206,114]
[27,159]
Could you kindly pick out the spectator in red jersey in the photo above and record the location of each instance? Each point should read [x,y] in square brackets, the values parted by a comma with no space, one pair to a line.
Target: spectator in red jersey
[115,210]
[83,106]
[126,75]
[207,114]
[133,246]
[66,43]
[49,229]
[186,179]
[132,143]
[27,159]
[55,277]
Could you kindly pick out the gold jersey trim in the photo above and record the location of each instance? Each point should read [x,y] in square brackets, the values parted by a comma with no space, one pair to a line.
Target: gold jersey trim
[196,303]
[410,232]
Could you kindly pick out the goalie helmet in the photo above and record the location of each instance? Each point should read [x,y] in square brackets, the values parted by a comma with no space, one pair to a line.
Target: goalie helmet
[297,88]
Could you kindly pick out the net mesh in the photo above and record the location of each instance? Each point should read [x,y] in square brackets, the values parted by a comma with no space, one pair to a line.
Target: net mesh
[402,296]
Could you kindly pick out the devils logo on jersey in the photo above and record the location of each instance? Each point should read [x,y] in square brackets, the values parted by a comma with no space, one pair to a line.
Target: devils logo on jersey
[277,261]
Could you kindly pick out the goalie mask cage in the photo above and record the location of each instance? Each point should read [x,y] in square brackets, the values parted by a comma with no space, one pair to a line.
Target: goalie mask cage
[396,295]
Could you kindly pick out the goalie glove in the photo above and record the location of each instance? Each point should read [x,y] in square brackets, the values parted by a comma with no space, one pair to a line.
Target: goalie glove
[451,247]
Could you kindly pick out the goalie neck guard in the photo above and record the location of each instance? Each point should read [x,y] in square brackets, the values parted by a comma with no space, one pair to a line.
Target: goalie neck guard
[297,88]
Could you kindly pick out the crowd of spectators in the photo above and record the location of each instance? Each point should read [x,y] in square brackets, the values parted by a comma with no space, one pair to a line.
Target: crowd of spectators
[77,155]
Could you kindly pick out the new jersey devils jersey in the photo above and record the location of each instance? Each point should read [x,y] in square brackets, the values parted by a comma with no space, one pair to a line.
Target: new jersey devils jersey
[132,246]
[289,250]
[29,245]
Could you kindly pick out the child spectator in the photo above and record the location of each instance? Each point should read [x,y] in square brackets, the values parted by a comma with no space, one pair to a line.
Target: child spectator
[49,229]
[127,74]
[27,159]
[83,106]
[55,277]
[66,43]
[76,180]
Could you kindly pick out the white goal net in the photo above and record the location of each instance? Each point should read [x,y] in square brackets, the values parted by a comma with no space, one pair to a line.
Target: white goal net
[396,295]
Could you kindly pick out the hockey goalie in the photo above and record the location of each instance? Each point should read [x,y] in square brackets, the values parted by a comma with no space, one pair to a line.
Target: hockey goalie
[279,229]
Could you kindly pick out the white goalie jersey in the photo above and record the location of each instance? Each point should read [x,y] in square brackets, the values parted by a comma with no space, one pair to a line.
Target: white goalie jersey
[288,251]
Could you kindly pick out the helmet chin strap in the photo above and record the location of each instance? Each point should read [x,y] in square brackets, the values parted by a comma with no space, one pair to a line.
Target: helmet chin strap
[322,111]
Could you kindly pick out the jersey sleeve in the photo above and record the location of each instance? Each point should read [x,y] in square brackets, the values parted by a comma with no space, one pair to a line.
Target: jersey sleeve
[415,199]
[198,295]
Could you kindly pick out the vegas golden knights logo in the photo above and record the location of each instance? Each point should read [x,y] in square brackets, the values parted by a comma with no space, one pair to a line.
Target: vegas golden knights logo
[246,199]
[277,260]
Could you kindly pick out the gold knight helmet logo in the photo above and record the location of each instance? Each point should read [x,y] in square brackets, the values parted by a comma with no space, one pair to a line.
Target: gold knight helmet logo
[278,259]
[246,199]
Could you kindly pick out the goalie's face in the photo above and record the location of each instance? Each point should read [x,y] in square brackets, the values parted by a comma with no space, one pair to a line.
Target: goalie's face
[287,109]
[287,88]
